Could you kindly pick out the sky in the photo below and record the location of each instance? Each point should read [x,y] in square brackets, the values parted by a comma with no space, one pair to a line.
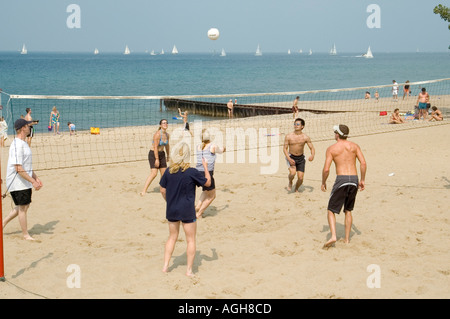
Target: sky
[277,26]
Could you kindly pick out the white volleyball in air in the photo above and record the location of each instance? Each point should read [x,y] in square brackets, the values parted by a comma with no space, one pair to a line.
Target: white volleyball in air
[213,34]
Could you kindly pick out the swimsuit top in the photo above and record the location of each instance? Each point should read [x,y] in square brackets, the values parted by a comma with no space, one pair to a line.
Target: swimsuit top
[161,142]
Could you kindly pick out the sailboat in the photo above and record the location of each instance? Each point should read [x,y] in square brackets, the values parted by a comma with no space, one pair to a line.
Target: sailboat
[127,50]
[174,50]
[333,50]
[368,54]
[96,51]
[258,51]
[223,53]
[310,52]
[162,51]
[24,50]
[152,52]
[289,51]
[300,51]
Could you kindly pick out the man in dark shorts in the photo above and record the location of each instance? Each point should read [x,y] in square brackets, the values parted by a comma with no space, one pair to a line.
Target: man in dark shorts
[294,146]
[344,154]
[20,177]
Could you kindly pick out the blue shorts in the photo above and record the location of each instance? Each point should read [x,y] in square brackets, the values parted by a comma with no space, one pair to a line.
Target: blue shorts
[422,106]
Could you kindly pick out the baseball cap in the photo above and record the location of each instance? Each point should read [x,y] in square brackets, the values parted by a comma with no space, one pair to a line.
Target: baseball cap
[342,130]
[21,123]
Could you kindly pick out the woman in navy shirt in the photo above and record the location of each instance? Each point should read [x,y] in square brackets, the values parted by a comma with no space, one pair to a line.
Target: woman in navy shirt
[177,187]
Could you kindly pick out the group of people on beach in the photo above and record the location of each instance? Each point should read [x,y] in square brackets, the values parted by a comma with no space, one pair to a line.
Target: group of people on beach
[422,110]
[179,181]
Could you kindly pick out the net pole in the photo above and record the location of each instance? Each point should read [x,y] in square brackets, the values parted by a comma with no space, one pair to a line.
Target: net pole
[2,270]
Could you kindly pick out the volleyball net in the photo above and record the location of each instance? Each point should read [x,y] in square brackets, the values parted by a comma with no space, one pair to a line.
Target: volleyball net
[117,129]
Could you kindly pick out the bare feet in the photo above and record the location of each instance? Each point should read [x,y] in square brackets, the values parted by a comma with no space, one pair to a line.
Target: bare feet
[165,269]
[329,243]
[142,193]
[28,237]
[289,187]
[190,274]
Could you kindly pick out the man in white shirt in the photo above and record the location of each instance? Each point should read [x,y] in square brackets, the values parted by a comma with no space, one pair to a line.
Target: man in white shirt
[20,178]
[395,90]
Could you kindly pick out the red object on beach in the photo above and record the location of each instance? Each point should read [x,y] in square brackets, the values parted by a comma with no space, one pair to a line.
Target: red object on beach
[383,113]
[50,128]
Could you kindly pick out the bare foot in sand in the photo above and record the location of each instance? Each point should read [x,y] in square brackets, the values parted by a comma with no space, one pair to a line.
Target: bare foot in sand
[190,274]
[28,237]
[165,269]
[329,243]
[289,187]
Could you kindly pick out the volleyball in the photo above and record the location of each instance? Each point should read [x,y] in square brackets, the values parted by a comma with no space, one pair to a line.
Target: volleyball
[213,34]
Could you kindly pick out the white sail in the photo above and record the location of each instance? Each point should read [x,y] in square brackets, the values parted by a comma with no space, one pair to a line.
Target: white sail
[96,51]
[289,51]
[333,50]
[300,51]
[152,52]
[127,50]
[368,54]
[310,52]
[223,53]
[258,51]
[162,51]
[24,50]
[174,50]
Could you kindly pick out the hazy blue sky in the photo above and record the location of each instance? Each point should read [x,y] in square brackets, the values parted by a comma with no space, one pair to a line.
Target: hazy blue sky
[109,25]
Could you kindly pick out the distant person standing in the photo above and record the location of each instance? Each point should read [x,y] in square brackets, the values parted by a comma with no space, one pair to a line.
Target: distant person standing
[294,147]
[344,154]
[406,90]
[295,107]
[395,90]
[20,177]
[54,120]
[377,96]
[32,130]
[230,107]
[422,100]
[3,131]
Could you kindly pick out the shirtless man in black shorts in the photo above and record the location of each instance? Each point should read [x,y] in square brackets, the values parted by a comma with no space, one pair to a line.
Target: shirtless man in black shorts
[344,154]
[294,145]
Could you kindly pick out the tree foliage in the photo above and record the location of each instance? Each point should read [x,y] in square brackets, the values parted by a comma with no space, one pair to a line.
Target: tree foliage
[444,12]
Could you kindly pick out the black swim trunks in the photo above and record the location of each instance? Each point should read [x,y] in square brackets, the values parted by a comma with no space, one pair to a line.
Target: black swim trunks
[344,193]
[161,157]
[22,197]
[299,162]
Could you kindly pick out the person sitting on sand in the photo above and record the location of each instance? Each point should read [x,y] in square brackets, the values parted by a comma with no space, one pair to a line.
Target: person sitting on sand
[436,114]
[396,118]
[367,96]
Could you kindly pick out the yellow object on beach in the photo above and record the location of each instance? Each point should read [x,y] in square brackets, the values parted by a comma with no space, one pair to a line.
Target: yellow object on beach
[95,130]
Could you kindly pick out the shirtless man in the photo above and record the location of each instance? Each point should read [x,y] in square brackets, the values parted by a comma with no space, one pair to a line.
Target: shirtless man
[396,118]
[423,99]
[294,145]
[230,109]
[344,154]
[30,119]
[436,114]
[295,107]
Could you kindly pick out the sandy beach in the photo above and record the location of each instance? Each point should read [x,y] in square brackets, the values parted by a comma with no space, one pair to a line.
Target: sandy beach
[256,240]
